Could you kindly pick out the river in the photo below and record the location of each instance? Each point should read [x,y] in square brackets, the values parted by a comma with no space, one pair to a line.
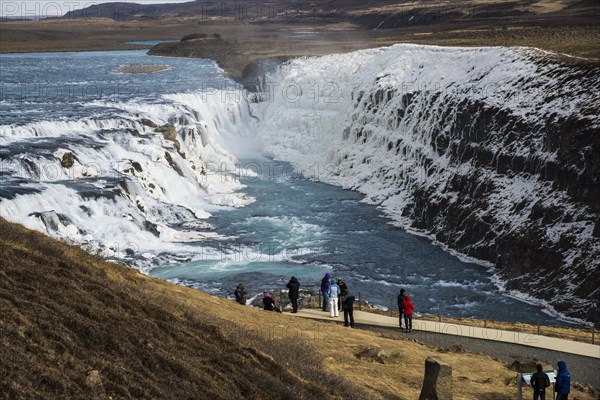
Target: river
[262,227]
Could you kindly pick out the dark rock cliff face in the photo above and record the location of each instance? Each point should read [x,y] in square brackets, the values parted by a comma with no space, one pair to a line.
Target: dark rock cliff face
[520,189]
[211,48]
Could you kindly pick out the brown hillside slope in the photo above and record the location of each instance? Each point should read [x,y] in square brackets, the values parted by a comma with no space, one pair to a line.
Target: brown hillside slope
[64,314]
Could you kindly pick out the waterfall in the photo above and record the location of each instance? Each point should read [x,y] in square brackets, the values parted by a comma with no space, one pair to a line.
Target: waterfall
[492,152]
[139,181]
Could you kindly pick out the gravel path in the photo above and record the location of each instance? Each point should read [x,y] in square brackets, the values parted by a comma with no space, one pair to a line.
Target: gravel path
[583,369]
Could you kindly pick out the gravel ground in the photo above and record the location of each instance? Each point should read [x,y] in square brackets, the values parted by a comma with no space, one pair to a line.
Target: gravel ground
[583,369]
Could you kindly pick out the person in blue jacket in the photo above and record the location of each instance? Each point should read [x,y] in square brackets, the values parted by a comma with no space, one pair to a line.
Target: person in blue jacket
[333,293]
[562,386]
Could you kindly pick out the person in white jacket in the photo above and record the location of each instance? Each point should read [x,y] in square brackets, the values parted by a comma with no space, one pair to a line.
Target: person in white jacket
[334,291]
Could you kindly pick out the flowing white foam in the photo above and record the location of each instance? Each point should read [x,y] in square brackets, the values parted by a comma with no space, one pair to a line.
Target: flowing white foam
[118,186]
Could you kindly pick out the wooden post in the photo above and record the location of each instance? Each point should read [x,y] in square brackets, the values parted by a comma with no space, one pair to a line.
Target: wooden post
[320,305]
[485,319]
[440,313]
[359,302]
[519,387]
[593,333]
[538,327]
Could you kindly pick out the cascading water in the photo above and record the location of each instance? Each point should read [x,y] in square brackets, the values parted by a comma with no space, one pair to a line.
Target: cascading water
[492,152]
[132,175]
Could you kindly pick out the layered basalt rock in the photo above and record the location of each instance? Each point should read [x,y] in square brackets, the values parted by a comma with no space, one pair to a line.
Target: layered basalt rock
[491,181]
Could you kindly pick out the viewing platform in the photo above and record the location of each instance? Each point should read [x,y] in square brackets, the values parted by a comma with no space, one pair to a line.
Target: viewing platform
[489,334]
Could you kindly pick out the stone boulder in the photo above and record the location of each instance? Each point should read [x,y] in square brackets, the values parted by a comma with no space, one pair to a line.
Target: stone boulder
[437,383]
[67,160]
[455,348]
[523,365]
[376,354]
[93,379]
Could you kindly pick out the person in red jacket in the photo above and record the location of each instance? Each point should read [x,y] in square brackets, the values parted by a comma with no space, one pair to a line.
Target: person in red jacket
[408,308]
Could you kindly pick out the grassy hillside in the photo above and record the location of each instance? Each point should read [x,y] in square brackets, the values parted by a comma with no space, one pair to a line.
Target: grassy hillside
[65,313]
[73,326]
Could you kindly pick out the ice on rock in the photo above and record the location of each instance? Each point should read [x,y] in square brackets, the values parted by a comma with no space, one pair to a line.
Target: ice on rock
[470,146]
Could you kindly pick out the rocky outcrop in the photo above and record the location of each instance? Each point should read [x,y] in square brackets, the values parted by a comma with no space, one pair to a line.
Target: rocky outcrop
[492,152]
[523,365]
[172,163]
[213,48]
[148,123]
[169,132]
[67,160]
[378,355]
[142,69]
[520,191]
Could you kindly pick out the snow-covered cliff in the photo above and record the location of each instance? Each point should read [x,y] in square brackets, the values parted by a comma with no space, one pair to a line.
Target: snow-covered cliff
[494,152]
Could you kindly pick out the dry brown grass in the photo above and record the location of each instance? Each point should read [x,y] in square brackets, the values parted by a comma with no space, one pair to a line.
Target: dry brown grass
[66,313]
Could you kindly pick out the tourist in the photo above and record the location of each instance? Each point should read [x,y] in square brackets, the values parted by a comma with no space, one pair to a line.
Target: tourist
[343,291]
[294,287]
[325,289]
[269,302]
[349,308]
[333,293]
[407,309]
[401,298]
[240,294]
[562,386]
[539,382]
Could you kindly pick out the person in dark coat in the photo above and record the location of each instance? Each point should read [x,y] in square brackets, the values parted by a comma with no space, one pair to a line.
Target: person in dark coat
[539,382]
[343,292]
[562,386]
[324,290]
[294,287]
[240,294]
[408,308]
[401,298]
[349,308]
